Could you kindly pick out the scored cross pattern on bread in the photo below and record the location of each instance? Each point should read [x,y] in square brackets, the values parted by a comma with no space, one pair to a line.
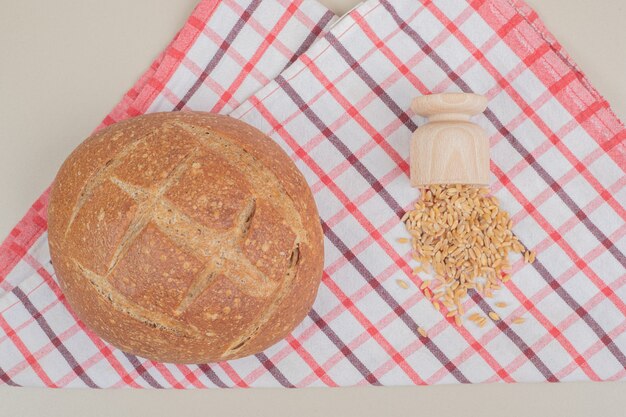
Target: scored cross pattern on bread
[188,232]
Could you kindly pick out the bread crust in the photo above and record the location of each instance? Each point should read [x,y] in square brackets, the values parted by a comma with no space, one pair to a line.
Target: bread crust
[185,237]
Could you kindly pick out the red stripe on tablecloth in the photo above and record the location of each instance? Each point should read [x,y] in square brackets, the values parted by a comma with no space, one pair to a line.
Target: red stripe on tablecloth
[122,110]
[26,353]
[26,323]
[163,370]
[558,238]
[295,345]
[365,336]
[302,17]
[367,146]
[210,82]
[172,57]
[70,375]
[233,375]
[352,110]
[54,339]
[533,32]
[375,87]
[264,32]
[599,345]
[190,375]
[515,338]
[374,331]
[316,28]
[569,202]
[254,60]
[42,352]
[22,237]
[245,16]
[559,328]
[345,152]
[317,369]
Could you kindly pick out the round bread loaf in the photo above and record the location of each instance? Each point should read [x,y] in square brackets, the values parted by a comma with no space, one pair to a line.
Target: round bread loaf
[185,237]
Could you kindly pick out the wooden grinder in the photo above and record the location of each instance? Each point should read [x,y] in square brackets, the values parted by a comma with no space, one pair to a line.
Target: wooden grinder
[449,149]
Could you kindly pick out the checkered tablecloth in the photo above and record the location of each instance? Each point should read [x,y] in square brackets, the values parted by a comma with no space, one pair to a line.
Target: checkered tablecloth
[336,97]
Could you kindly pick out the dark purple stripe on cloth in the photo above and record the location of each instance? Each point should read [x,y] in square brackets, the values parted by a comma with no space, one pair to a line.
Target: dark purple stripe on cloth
[343,348]
[312,37]
[402,115]
[582,313]
[515,338]
[220,53]
[392,303]
[208,371]
[54,339]
[276,373]
[142,371]
[340,146]
[6,379]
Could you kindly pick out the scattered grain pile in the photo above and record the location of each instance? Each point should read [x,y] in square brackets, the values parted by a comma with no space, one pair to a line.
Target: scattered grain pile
[460,233]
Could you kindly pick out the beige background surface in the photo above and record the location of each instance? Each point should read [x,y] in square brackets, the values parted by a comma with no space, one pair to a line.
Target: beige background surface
[65,63]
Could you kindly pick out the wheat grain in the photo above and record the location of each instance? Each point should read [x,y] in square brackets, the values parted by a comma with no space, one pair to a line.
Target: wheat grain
[474,316]
[402,284]
[418,269]
[428,294]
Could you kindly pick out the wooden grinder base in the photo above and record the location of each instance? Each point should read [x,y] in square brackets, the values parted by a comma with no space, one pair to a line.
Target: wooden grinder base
[449,149]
